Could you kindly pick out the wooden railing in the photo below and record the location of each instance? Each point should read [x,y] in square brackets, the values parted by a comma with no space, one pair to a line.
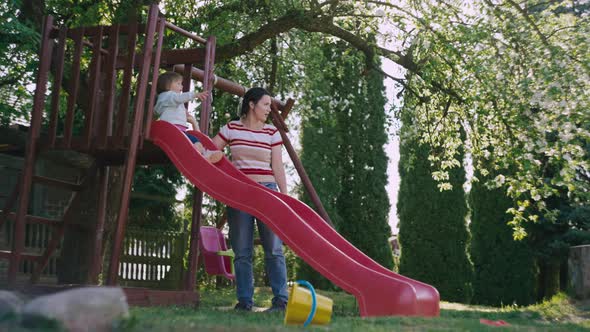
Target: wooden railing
[152,259]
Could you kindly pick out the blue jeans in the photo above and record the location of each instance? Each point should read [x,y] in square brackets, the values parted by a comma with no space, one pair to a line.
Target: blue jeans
[191,137]
[241,235]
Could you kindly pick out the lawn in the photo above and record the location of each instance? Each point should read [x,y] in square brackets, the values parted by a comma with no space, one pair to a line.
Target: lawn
[215,314]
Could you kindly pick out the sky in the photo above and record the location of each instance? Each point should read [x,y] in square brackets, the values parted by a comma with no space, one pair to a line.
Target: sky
[392,147]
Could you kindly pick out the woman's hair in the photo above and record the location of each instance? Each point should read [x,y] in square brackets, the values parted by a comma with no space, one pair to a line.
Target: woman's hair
[166,79]
[252,95]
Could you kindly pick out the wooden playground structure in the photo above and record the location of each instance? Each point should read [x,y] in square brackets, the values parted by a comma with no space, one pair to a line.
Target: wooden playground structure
[115,128]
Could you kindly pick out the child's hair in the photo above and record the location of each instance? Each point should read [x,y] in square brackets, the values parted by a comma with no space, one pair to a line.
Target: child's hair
[252,95]
[166,79]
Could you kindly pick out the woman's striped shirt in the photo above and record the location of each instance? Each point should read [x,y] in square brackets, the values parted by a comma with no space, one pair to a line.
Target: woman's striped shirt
[251,149]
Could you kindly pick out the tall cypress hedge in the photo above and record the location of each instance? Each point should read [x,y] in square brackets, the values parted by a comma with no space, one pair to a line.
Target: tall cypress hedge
[433,230]
[504,268]
[343,138]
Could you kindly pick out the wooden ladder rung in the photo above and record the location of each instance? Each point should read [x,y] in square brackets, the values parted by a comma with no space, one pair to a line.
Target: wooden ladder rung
[37,220]
[7,254]
[57,183]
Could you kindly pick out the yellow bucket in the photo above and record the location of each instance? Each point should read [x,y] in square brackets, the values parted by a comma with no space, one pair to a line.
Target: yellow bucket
[300,306]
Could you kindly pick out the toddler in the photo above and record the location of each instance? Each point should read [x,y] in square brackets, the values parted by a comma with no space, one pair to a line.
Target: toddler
[170,107]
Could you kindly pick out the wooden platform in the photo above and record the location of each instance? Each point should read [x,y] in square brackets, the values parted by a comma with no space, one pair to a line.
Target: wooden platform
[141,297]
[77,154]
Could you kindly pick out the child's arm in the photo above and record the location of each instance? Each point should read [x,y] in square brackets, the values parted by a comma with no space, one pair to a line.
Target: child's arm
[202,95]
[191,119]
[181,98]
[185,97]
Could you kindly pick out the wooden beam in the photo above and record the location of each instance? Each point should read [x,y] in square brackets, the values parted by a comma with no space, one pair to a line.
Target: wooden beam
[121,123]
[57,80]
[96,252]
[91,31]
[154,87]
[130,160]
[73,95]
[149,297]
[36,220]
[31,151]
[288,106]
[56,183]
[105,119]
[280,124]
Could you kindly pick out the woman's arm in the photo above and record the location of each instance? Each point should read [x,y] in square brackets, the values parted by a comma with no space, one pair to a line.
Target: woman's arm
[278,168]
[219,142]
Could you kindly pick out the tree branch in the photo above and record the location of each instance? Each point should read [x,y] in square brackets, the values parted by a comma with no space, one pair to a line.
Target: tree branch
[530,22]
[402,82]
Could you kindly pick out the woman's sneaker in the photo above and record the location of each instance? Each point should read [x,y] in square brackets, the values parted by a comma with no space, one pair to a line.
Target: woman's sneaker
[212,156]
[243,307]
[277,306]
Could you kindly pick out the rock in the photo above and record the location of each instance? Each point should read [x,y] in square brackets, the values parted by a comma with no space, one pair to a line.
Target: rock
[10,304]
[80,309]
[579,271]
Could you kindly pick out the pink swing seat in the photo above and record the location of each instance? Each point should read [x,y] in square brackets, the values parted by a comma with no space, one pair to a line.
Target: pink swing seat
[217,258]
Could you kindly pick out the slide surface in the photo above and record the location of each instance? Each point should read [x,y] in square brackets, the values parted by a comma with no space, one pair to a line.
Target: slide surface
[379,292]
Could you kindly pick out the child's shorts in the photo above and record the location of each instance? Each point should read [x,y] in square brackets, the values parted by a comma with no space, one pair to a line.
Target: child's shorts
[191,137]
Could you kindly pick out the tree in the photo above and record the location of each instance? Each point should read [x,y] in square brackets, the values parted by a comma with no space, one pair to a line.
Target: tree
[505,269]
[483,62]
[362,202]
[433,232]
[342,138]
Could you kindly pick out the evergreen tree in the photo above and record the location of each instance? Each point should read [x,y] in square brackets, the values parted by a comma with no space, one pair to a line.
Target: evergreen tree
[433,232]
[343,137]
[504,269]
[363,203]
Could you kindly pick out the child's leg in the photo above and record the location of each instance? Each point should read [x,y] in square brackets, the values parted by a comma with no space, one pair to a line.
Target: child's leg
[199,147]
[211,156]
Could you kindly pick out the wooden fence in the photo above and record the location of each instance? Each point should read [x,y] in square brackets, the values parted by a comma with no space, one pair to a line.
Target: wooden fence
[152,258]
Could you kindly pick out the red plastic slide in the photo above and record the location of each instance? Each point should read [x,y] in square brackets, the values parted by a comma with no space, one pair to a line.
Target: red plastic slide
[379,292]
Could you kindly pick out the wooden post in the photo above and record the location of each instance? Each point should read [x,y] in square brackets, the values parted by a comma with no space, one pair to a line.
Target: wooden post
[89,132]
[313,195]
[105,128]
[121,123]
[95,265]
[73,95]
[193,256]
[155,74]
[59,69]
[130,159]
[208,81]
[30,154]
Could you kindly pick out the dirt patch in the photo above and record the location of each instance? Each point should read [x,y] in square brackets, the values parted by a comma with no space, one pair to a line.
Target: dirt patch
[470,307]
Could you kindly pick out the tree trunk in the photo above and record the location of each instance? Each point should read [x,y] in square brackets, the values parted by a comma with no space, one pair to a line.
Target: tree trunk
[579,271]
[548,278]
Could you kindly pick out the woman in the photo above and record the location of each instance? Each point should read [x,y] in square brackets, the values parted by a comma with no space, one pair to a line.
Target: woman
[255,150]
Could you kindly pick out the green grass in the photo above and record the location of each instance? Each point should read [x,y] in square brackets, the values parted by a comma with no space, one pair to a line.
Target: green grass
[558,314]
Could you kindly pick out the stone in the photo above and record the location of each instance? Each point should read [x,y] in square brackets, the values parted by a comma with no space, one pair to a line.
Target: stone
[10,304]
[82,309]
[579,271]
